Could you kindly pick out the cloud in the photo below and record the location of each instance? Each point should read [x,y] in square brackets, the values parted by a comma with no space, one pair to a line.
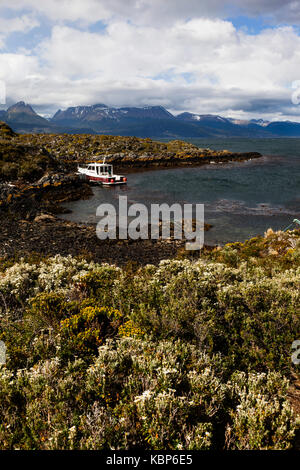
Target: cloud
[151,12]
[87,11]
[287,11]
[18,24]
[190,63]
[21,24]
[16,68]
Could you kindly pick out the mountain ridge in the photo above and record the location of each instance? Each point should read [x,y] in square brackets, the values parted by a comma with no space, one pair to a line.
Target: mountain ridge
[145,121]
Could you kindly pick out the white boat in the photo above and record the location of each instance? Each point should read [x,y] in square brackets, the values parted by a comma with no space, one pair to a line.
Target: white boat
[102,173]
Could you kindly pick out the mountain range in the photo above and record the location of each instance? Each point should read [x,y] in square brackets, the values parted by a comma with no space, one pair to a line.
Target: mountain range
[147,121]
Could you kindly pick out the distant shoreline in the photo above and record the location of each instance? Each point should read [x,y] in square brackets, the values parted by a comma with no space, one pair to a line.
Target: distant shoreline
[161,163]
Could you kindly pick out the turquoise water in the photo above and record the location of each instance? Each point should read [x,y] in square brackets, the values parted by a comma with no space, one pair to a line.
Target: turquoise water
[241,199]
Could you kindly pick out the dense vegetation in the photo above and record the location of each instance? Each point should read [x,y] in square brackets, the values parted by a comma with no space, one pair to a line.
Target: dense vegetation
[22,160]
[86,146]
[191,354]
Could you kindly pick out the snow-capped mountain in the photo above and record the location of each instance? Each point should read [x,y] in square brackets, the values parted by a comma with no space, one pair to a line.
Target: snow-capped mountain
[145,121]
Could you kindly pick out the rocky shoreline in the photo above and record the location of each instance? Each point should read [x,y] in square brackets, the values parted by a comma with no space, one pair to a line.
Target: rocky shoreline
[161,161]
[47,235]
[27,201]
[37,174]
[30,227]
[126,152]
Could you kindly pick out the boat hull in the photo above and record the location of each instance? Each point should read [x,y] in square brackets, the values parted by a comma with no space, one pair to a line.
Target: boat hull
[105,181]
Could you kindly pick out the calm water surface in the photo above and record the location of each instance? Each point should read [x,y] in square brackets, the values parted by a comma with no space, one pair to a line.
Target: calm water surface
[241,199]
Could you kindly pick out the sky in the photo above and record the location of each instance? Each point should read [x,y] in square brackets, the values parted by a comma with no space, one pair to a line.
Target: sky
[235,58]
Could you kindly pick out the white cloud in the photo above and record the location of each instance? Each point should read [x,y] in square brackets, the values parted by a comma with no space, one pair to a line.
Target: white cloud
[15,68]
[201,64]
[21,24]
[151,12]
[88,11]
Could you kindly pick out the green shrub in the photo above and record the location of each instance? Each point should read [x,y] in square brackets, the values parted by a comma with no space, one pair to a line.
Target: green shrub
[83,332]
[263,419]
[49,308]
[189,354]
[152,395]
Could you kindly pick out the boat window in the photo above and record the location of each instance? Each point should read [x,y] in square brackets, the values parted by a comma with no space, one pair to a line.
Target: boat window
[109,170]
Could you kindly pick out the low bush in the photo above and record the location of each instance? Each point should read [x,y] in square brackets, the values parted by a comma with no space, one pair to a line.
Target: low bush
[189,354]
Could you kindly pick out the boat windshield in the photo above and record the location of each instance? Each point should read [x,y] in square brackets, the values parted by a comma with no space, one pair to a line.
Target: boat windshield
[105,169]
[99,169]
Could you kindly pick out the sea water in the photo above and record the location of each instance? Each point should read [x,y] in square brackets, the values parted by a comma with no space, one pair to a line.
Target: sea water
[241,199]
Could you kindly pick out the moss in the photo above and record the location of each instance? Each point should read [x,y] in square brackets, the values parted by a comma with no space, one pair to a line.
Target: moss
[24,162]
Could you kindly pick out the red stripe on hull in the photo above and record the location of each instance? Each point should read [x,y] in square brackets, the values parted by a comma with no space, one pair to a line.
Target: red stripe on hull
[104,180]
[95,178]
